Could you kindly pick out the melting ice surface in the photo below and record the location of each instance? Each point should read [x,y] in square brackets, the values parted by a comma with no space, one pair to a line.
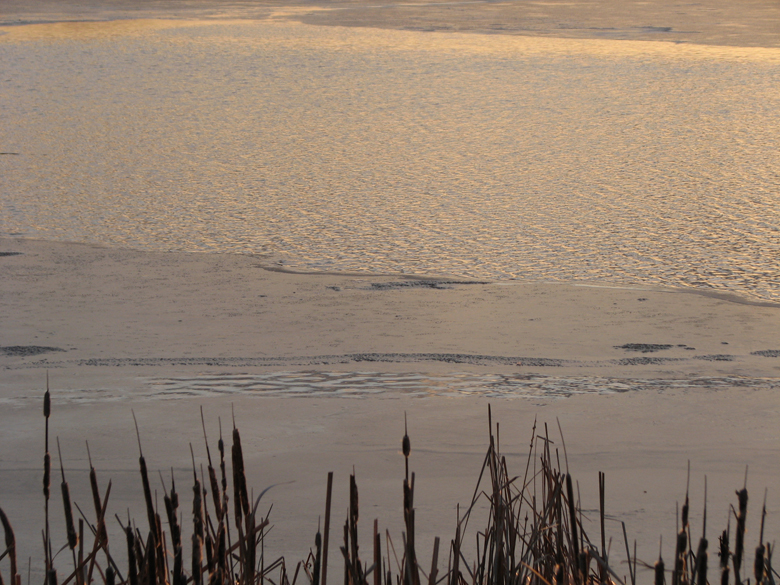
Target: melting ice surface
[389,151]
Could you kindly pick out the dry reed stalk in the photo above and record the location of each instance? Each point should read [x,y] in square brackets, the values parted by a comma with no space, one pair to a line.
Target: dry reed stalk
[724,553]
[317,558]
[73,538]
[739,545]
[132,562]
[759,563]
[700,566]
[150,513]
[434,561]
[239,475]
[660,578]
[212,472]
[326,529]
[47,484]
[602,513]
[101,536]
[10,547]
[534,533]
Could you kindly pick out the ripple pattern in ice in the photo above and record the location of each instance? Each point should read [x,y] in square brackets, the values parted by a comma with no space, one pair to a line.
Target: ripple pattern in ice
[389,151]
[356,384]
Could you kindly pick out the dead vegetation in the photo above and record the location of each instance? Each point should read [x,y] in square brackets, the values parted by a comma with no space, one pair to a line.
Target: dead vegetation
[533,534]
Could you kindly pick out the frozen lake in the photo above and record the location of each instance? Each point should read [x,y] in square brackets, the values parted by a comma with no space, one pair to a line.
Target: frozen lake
[385,151]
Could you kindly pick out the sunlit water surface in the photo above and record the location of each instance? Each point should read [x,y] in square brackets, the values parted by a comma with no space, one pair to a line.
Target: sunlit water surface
[388,151]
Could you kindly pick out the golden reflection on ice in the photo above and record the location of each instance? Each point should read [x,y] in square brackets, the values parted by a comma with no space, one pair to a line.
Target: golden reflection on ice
[393,151]
[89,30]
[382,39]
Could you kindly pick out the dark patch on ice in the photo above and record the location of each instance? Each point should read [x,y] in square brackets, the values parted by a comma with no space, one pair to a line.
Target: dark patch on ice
[27,350]
[715,358]
[644,347]
[10,253]
[644,361]
[435,284]
[767,352]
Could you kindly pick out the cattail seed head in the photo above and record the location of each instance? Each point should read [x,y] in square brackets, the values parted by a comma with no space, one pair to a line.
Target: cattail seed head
[758,565]
[197,559]
[659,572]
[47,404]
[723,551]
[47,475]
[682,541]
[73,537]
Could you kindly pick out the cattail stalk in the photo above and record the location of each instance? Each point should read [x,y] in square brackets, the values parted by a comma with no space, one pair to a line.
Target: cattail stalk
[739,545]
[326,530]
[47,482]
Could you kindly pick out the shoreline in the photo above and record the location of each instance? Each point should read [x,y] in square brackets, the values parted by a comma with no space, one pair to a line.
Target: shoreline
[431,279]
[79,307]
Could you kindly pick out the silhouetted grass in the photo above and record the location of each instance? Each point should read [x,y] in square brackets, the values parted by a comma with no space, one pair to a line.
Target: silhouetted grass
[533,533]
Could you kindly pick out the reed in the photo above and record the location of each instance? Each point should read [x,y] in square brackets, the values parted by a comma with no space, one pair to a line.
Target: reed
[533,532]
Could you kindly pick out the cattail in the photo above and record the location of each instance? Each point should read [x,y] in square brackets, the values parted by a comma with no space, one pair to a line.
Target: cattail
[197,559]
[110,576]
[210,553]
[659,571]
[47,480]
[73,537]
[739,546]
[145,482]
[171,502]
[701,562]
[132,563]
[239,476]
[723,553]
[700,572]
[101,525]
[317,558]
[406,444]
[197,509]
[47,399]
[679,557]
[212,472]
[47,476]
[221,549]
[151,559]
[758,565]
[47,458]
[221,447]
